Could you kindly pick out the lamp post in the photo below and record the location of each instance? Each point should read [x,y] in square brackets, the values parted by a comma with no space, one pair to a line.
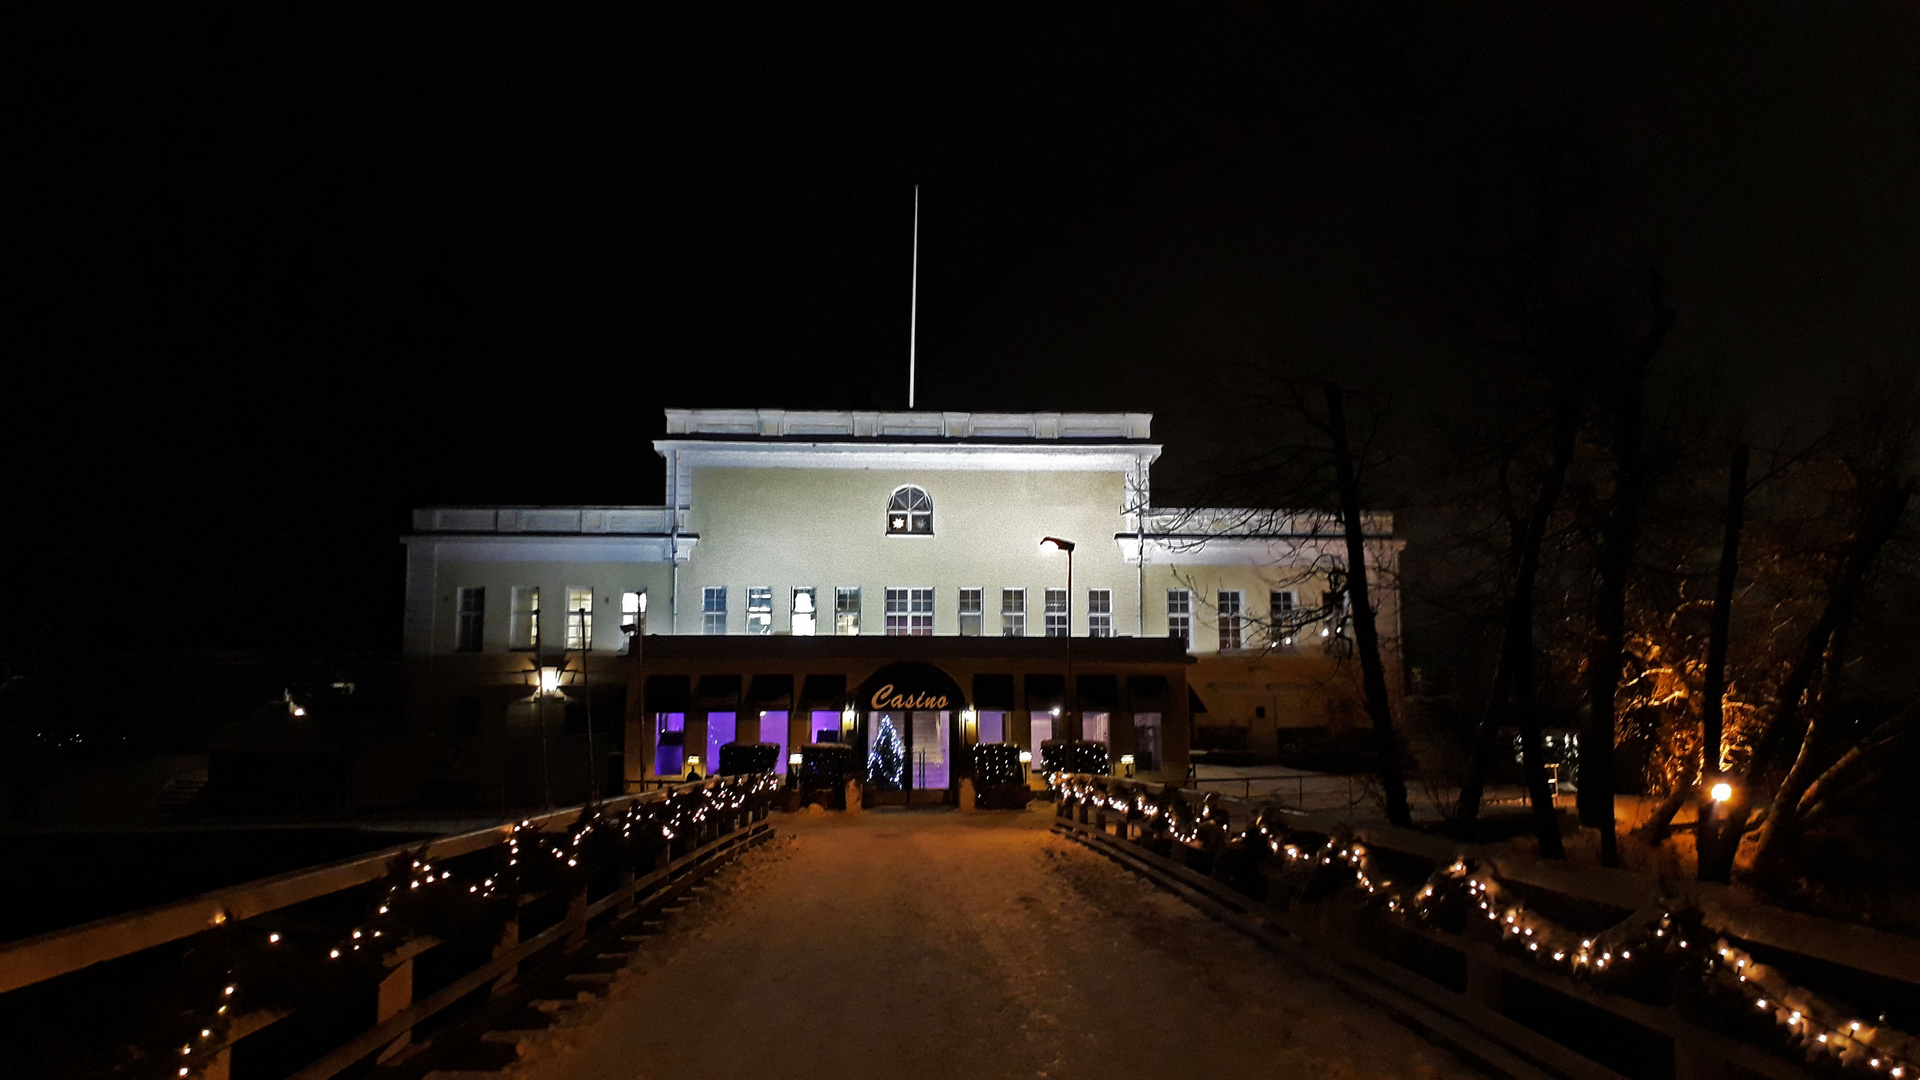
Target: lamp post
[1073,690]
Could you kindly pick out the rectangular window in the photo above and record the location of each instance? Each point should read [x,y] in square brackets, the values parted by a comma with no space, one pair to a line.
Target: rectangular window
[1099,612]
[760,609]
[470,620]
[633,617]
[1056,613]
[972,615]
[846,611]
[1229,617]
[1280,625]
[579,619]
[713,610]
[909,612]
[526,617]
[1013,613]
[1180,615]
[805,615]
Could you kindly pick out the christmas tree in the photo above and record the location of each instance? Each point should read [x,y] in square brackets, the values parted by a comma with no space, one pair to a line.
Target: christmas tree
[886,765]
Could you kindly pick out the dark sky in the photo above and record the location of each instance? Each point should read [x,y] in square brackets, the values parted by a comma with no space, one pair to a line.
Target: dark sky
[280,274]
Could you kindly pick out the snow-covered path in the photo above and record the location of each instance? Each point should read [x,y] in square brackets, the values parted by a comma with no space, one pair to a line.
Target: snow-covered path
[928,944]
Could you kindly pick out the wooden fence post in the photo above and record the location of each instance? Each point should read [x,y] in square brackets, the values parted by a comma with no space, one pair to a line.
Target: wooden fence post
[396,994]
[509,941]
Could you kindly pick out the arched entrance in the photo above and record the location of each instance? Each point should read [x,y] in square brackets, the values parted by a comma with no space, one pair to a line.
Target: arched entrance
[909,719]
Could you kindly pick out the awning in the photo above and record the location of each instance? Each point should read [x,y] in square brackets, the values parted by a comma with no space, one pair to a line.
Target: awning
[667,693]
[993,691]
[826,693]
[771,692]
[1147,693]
[717,693]
[1194,704]
[1046,692]
[909,685]
[1100,693]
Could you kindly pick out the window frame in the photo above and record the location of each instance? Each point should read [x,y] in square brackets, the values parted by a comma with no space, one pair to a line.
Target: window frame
[811,615]
[978,613]
[1180,619]
[913,516]
[470,620]
[1063,613]
[1100,613]
[1013,617]
[636,619]
[915,612]
[845,614]
[579,625]
[525,637]
[1230,624]
[709,611]
[759,610]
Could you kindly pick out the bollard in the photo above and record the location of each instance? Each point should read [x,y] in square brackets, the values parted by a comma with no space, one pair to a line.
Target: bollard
[853,798]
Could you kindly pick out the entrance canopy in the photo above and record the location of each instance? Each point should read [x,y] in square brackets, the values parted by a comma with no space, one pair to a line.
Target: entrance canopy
[908,685]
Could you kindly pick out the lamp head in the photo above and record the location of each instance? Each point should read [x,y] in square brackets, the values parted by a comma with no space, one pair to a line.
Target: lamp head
[1721,791]
[1054,543]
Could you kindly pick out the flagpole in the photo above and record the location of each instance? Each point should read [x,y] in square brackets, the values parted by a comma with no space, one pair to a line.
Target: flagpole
[913,320]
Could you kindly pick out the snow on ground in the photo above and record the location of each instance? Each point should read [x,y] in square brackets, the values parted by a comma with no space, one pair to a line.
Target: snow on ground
[930,944]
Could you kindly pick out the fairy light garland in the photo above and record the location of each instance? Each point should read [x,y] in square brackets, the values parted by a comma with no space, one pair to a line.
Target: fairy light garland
[1822,1030]
[418,892]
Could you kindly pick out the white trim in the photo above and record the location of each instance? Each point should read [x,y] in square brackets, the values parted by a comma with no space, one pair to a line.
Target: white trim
[593,549]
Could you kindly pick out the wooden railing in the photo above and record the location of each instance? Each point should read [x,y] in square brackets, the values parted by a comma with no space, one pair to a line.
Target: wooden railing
[1479,987]
[700,825]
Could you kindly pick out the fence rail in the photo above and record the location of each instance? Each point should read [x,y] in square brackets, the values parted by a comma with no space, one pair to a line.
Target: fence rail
[1479,999]
[722,818]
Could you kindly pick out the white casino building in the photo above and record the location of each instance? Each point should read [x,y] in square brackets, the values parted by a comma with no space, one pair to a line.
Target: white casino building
[888,539]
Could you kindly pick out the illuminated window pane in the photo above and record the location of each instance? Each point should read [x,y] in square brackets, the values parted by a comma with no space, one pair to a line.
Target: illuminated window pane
[972,617]
[1229,622]
[1013,613]
[846,611]
[910,512]
[633,617]
[579,619]
[1281,627]
[760,609]
[804,612]
[1099,612]
[1056,613]
[1180,615]
[526,617]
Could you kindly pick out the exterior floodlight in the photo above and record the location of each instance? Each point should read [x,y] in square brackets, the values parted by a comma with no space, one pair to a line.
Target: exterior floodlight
[549,680]
[1722,791]
[1056,710]
[793,759]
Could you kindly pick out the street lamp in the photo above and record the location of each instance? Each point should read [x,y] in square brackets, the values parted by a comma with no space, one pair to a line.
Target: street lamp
[1054,543]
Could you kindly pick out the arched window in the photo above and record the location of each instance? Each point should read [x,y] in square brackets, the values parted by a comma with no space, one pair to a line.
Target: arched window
[910,512]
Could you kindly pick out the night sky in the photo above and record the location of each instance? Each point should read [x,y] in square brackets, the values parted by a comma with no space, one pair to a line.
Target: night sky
[281,274]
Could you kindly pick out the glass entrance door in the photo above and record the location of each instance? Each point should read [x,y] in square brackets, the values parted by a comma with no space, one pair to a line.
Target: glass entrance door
[931,749]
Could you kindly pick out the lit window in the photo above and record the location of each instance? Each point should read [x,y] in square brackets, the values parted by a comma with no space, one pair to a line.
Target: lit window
[910,512]
[1099,612]
[470,619]
[972,617]
[579,619]
[1056,613]
[1229,612]
[1180,615]
[1013,613]
[804,613]
[909,612]
[526,617]
[760,609]
[1281,628]
[713,610]
[846,611]
[633,617]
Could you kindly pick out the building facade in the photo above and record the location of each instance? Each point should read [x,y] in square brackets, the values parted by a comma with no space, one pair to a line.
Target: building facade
[855,525]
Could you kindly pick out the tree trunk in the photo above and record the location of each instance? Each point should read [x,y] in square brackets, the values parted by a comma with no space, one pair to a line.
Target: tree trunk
[1365,632]
[1878,522]
[1619,541]
[1517,644]
[1708,835]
